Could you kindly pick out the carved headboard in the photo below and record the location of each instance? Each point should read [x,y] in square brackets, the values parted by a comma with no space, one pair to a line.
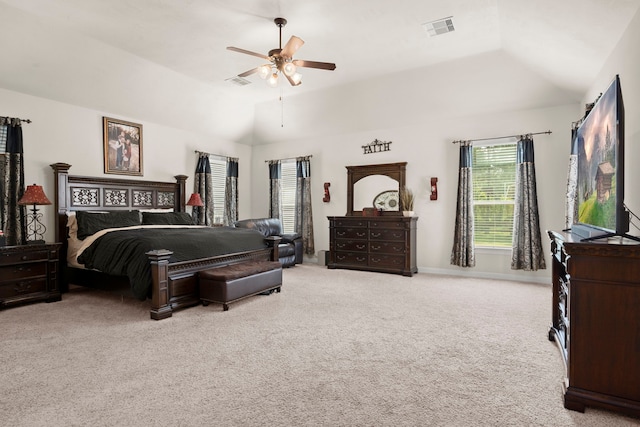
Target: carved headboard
[76,193]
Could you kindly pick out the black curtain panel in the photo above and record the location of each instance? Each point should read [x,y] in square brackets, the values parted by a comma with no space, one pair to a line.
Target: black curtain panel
[12,215]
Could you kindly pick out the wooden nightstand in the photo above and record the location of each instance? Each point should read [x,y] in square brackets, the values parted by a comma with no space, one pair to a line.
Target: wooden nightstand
[29,273]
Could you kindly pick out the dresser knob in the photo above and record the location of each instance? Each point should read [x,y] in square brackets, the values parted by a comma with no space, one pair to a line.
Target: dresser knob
[24,258]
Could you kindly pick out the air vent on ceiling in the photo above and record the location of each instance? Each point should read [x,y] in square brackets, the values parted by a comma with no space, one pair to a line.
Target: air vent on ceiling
[439,26]
[238,81]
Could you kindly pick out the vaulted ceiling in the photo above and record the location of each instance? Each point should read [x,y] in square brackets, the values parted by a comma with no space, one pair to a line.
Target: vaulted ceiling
[564,42]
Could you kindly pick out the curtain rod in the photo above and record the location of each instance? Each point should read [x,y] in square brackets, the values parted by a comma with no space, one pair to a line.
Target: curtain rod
[548,132]
[289,158]
[16,118]
[217,155]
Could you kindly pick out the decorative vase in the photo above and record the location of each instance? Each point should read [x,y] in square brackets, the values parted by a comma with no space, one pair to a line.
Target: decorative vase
[407,213]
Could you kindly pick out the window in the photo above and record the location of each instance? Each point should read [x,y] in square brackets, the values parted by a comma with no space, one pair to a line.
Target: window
[3,139]
[288,196]
[494,181]
[219,177]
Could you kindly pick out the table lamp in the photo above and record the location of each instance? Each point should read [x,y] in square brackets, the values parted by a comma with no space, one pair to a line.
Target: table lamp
[195,201]
[34,195]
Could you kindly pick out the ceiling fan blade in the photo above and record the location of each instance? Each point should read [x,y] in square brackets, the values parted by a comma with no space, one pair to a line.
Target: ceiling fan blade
[291,47]
[293,82]
[314,64]
[248,52]
[249,72]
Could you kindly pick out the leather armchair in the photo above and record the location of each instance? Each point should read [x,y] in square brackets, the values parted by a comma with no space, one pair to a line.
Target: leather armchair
[290,247]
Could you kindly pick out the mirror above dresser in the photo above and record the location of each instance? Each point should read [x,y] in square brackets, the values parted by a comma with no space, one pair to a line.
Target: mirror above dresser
[367,183]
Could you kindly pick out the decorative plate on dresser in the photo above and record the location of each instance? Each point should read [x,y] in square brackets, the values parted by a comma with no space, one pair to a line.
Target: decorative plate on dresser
[387,201]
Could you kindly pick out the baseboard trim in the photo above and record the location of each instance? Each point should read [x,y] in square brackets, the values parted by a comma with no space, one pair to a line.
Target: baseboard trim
[485,275]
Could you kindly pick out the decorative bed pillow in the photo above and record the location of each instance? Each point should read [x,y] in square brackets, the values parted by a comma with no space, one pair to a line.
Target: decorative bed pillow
[72,225]
[166,218]
[91,222]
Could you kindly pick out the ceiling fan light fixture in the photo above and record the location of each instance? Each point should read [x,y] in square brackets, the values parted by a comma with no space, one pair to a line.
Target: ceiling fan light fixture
[289,69]
[297,78]
[273,80]
[264,71]
[281,60]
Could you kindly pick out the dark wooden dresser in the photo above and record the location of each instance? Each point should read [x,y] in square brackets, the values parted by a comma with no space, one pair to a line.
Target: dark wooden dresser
[29,273]
[596,322]
[383,244]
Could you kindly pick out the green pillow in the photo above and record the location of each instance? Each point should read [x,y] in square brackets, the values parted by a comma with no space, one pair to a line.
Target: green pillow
[91,222]
[166,218]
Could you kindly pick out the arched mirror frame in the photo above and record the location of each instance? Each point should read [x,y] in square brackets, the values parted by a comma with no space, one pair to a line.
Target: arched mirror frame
[395,171]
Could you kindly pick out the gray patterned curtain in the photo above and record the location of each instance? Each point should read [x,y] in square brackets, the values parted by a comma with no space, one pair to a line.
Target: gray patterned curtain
[527,253]
[275,187]
[304,216]
[463,252]
[203,215]
[571,206]
[231,192]
[12,215]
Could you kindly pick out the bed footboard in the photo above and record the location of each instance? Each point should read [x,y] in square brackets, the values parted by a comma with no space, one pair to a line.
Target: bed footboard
[175,285]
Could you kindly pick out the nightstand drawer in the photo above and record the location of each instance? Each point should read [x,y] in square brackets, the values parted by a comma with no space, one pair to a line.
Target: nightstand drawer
[23,287]
[24,270]
[24,256]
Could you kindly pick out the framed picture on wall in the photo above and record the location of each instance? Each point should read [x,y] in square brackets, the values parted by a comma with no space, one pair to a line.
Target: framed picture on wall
[122,147]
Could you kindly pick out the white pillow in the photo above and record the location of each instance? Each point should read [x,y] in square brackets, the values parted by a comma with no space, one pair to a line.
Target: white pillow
[72,225]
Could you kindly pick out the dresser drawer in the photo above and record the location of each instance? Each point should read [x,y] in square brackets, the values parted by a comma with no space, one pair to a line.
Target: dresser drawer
[24,256]
[351,233]
[23,287]
[386,261]
[24,270]
[393,248]
[351,245]
[350,222]
[386,234]
[387,224]
[351,258]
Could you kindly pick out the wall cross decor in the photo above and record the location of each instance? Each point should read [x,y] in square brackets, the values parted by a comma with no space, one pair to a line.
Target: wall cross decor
[377,146]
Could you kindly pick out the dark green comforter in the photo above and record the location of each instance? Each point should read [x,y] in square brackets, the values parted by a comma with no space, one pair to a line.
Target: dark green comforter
[123,252]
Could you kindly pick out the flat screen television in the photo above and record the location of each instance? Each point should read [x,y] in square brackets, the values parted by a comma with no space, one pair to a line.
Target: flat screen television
[600,185]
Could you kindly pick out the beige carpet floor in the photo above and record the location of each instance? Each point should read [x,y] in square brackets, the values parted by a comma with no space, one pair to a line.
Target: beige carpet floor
[335,348]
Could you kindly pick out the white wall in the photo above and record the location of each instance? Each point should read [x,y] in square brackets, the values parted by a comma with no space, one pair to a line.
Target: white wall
[625,61]
[429,152]
[70,134]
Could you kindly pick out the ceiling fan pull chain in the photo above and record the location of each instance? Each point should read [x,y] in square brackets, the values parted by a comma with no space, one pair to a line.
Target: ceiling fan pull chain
[281,109]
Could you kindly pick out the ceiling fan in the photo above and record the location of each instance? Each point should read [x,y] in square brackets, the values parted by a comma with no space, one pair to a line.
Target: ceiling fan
[281,60]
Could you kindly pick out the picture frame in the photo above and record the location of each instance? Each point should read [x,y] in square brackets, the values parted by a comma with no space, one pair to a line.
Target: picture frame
[122,142]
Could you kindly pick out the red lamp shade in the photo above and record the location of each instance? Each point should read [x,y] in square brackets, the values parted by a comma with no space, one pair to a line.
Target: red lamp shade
[195,200]
[34,195]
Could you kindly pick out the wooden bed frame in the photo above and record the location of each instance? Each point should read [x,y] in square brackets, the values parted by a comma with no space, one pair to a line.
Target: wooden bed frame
[175,285]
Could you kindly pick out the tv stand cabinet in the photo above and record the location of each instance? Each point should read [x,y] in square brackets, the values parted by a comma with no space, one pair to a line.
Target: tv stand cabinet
[596,322]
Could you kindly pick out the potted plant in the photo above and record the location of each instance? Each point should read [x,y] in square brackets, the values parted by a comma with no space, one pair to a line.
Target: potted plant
[406,201]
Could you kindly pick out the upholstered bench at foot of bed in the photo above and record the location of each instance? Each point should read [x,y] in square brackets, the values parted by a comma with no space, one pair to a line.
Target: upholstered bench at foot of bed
[233,282]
